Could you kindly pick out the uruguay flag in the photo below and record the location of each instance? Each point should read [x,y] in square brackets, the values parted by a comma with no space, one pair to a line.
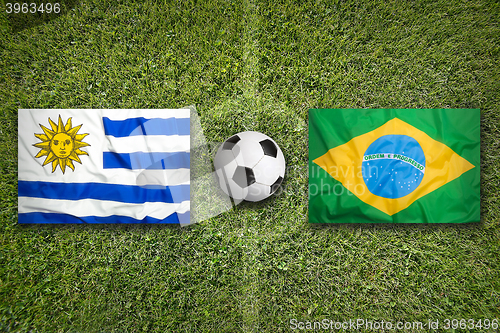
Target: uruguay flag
[104,166]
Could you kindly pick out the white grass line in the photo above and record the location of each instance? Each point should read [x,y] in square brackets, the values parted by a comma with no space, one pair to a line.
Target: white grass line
[249,301]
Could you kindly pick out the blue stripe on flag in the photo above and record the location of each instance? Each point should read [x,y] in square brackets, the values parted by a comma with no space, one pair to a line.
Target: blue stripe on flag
[143,126]
[66,218]
[150,161]
[102,191]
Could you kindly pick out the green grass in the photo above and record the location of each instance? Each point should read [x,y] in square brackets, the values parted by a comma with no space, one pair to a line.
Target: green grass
[250,65]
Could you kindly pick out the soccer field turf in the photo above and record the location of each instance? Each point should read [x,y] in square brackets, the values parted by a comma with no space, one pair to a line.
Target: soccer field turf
[250,65]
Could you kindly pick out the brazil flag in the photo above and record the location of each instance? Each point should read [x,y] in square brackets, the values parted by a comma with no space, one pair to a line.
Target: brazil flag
[394,166]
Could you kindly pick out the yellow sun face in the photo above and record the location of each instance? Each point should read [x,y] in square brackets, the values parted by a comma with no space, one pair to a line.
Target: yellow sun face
[61,144]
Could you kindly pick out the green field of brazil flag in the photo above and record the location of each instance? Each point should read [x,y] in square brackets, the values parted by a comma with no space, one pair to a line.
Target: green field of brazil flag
[394,166]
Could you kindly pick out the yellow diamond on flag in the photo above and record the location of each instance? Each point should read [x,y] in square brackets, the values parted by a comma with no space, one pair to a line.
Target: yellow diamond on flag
[350,164]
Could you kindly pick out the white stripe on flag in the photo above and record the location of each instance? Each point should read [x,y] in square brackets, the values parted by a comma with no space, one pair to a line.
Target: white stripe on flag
[117,114]
[147,143]
[113,176]
[122,114]
[91,207]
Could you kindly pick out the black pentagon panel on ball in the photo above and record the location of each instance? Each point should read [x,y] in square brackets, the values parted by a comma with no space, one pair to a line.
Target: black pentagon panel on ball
[243,176]
[250,176]
[276,184]
[229,144]
[269,148]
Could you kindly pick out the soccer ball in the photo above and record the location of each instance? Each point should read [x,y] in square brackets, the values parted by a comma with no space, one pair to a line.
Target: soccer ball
[250,166]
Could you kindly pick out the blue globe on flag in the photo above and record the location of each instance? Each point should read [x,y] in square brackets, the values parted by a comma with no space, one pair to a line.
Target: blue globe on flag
[393,166]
